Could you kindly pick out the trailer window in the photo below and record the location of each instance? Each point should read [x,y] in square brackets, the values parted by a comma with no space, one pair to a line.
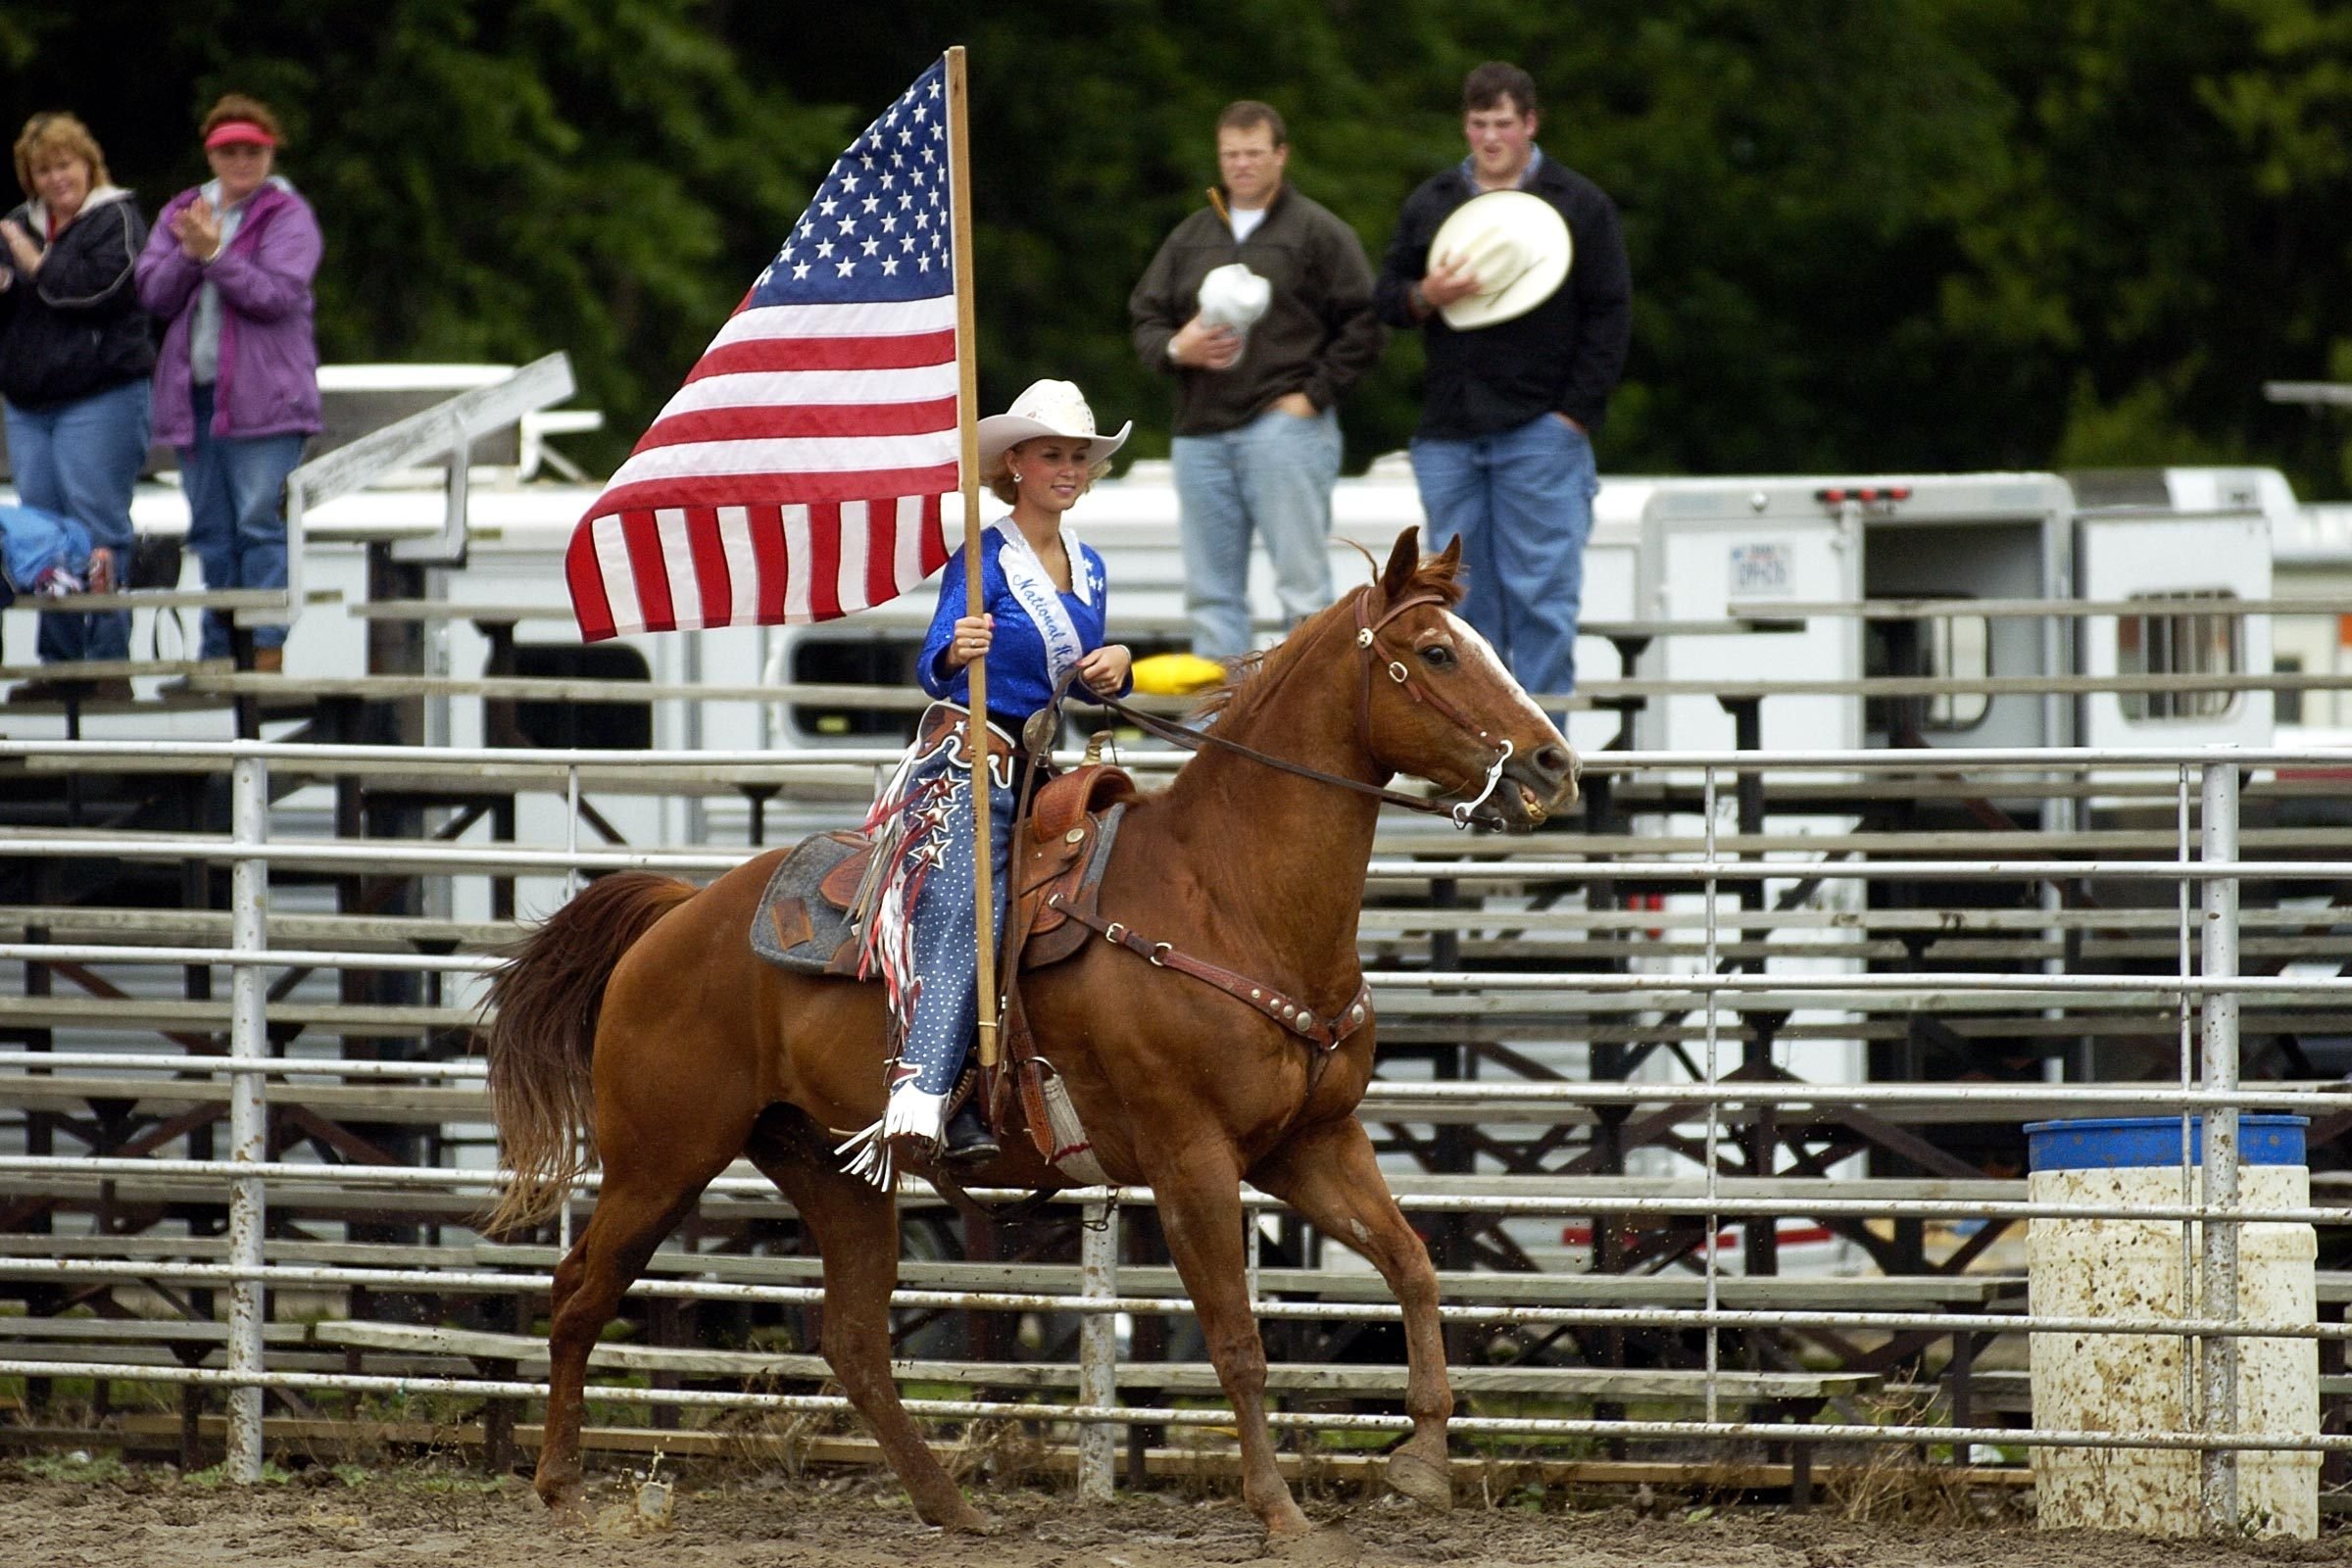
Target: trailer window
[2290,704]
[880,660]
[592,726]
[2179,638]
[1945,646]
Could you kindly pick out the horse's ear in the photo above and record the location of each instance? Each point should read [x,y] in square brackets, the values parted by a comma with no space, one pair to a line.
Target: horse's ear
[1403,560]
[1449,559]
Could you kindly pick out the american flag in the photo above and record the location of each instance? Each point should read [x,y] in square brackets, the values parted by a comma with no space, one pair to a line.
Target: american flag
[797,475]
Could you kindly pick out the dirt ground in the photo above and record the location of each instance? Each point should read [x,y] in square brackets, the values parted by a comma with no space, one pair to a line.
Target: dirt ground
[156,1519]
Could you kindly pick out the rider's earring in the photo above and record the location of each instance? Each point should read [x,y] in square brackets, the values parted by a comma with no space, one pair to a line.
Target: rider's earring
[1016,475]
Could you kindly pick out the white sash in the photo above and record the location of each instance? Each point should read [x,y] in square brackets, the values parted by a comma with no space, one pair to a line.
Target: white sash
[1033,586]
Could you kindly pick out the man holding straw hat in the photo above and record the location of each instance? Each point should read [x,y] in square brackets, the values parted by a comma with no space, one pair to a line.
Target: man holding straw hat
[1260,307]
[1513,267]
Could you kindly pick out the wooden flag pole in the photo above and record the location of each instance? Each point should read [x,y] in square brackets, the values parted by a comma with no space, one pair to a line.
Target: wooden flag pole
[967,405]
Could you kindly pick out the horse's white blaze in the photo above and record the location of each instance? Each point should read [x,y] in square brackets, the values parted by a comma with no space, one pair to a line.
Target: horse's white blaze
[1478,650]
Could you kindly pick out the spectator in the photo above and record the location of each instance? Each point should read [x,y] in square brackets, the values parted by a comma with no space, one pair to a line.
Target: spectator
[1260,306]
[230,267]
[47,554]
[1503,454]
[75,355]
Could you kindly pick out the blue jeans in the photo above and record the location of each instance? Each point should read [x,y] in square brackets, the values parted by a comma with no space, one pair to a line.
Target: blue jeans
[1521,502]
[1273,475]
[236,489]
[80,460]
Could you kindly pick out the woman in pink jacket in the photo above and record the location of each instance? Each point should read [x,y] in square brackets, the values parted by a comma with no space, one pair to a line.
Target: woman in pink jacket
[229,266]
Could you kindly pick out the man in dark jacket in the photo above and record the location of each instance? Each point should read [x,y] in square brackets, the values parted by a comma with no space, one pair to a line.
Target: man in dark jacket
[1503,453]
[1260,362]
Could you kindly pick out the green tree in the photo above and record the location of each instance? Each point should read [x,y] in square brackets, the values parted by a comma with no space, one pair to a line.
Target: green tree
[494,181]
[1918,233]
[2171,228]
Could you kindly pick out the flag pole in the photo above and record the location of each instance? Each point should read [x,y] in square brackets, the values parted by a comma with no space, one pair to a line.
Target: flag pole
[968,403]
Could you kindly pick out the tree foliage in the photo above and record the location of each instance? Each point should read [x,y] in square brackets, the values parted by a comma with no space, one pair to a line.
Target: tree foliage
[1917,234]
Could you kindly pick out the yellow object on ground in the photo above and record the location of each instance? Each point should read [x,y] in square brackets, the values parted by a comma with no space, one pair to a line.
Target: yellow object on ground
[1177,674]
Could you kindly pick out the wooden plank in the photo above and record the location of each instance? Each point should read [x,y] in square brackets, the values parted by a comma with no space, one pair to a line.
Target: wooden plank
[910,699]
[1188,1378]
[851,783]
[432,611]
[429,433]
[347,1019]
[407,1104]
[136,1331]
[2092,843]
[2015,609]
[311,1437]
[108,669]
[229,599]
[81,922]
[1874,1291]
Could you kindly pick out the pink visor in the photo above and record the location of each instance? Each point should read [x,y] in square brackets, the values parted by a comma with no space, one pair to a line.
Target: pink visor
[232,131]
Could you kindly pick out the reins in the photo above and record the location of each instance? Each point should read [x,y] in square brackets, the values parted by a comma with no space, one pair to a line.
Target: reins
[1323,1034]
[1368,639]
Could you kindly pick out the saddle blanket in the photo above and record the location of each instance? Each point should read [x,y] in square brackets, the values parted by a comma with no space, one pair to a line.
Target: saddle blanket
[798,927]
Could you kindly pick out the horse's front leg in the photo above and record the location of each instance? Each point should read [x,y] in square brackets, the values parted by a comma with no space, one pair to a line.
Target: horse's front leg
[1200,1192]
[1329,1174]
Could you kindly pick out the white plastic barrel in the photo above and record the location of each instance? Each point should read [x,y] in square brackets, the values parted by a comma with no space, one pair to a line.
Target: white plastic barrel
[2144,1382]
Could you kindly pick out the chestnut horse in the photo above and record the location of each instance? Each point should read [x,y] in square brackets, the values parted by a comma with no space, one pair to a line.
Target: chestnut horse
[639,1009]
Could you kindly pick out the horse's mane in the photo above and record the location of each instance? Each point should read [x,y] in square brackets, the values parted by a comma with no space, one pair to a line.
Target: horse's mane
[1246,678]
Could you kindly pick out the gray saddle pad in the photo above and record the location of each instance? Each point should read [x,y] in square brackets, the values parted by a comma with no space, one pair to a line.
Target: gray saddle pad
[795,927]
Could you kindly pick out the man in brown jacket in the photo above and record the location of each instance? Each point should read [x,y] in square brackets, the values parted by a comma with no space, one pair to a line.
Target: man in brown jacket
[1256,443]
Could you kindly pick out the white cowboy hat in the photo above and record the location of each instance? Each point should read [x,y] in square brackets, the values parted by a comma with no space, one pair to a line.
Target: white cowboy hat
[1233,296]
[1048,408]
[1518,246]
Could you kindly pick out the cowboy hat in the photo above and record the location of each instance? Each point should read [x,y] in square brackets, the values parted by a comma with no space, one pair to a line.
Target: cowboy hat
[1048,408]
[1233,296]
[1518,248]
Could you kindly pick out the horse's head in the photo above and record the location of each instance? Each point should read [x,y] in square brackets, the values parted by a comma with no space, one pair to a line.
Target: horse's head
[1441,706]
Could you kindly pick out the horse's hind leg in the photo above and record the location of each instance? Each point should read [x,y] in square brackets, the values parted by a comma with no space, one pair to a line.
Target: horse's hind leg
[1330,1176]
[646,1190]
[857,1230]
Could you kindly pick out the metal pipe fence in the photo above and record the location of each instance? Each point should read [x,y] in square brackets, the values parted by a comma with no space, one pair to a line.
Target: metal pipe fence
[2206,988]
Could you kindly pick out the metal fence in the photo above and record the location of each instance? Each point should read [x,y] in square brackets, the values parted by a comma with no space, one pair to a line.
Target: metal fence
[2201,999]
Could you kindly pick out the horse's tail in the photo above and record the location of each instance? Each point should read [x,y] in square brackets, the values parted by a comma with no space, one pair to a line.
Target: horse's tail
[548,997]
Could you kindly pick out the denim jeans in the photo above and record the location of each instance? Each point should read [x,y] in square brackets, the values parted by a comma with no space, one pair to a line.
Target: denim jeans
[1521,502]
[236,488]
[80,460]
[1274,475]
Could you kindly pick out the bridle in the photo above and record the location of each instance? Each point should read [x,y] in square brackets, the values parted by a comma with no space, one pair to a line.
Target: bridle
[1376,655]
[1325,1032]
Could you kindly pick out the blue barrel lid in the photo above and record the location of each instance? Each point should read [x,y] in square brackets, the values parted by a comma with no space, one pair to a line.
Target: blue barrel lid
[2117,1143]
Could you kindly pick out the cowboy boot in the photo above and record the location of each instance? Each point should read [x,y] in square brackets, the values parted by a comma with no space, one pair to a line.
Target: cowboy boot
[967,1139]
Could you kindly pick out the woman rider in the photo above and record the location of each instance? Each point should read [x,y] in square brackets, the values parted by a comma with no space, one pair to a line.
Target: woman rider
[1044,598]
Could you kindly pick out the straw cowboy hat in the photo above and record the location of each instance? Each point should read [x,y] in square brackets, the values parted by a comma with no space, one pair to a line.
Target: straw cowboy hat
[1233,296]
[1518,248]
[1048,408]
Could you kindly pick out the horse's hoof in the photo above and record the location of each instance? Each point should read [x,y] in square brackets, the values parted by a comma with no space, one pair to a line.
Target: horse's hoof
[1429,1485]
[966,1520]
[563,1500]
[1328,1548]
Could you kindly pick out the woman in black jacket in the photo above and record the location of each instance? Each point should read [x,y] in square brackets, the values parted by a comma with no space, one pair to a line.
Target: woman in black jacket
[76,352]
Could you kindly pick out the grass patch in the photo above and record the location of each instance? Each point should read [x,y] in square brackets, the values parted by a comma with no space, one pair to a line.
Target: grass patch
[217,1476]
[75,1466]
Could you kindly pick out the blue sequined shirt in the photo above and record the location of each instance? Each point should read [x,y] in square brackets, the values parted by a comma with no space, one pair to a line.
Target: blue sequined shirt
[1017,682]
